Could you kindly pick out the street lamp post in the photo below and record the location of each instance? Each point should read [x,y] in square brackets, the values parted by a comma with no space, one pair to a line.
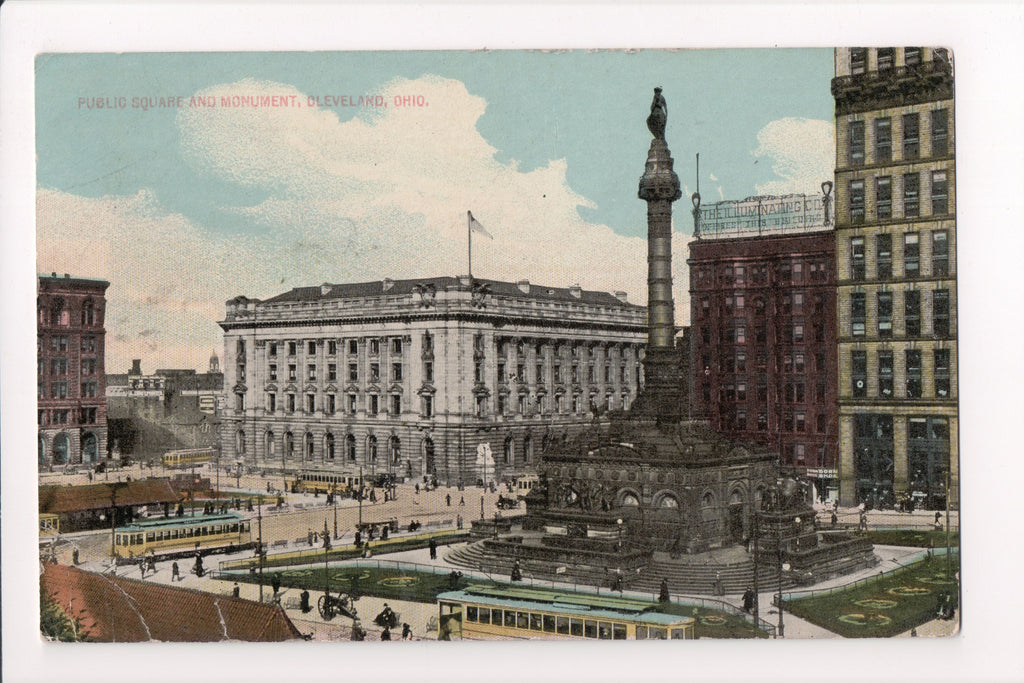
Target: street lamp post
[360,495]
[259,548]
[334,501]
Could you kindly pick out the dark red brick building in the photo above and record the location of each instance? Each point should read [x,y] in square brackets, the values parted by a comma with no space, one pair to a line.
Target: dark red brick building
[72,408]
[763,343]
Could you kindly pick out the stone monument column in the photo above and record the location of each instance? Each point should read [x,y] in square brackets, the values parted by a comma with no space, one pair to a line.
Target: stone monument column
[664,395]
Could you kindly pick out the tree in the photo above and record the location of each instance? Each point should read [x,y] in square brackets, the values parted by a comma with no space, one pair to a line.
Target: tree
[56,625]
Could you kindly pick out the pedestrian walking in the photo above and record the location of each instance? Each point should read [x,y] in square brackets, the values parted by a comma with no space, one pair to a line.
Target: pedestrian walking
[448,499]
[433,549]
[406,632]
[462,501]
[235,590]
[175,572]
[142,567]
[275,582]
[748,600]
[834,518]
[385,634]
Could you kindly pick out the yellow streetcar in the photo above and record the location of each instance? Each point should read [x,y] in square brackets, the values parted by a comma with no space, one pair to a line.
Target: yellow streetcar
[183,536]
[188,457]
[481,612]
[324,482]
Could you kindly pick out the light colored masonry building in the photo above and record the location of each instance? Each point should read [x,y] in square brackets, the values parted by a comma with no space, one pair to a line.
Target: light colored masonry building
[896,257]
[413,377]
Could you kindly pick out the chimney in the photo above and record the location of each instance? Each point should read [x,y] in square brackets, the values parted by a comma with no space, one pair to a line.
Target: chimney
[524,286]
[136,367]
[575,291]
[621,296]
[465,280]
[388,283]
[325,289]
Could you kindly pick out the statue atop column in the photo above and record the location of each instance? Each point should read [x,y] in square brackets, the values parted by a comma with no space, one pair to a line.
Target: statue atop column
[659,115]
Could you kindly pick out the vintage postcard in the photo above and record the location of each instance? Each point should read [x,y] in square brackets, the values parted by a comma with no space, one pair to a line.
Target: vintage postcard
[479,345]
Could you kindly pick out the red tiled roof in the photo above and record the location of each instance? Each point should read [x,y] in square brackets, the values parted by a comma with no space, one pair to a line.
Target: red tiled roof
[115,609]
[61,499]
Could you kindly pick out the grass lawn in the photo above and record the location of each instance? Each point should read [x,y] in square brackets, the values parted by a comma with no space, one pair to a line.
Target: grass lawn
[883,606]
[417,586]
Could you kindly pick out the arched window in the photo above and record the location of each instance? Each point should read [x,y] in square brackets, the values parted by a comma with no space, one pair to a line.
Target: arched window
[350,446]
[89,449]
[668,502]
[307,453]
[736,497]
[371,449]
[59,315]
[395,447]
[268,443]
[88,313]
[240,441]
[329,446]
[61,447]
[528,449]
[629,500]
[289,445]
[507,451]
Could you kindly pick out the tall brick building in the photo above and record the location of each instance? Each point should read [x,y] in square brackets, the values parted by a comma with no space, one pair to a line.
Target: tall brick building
[72,412]
[896,257]
[762,300]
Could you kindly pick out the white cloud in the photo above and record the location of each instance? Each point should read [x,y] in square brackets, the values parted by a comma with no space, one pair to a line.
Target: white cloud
[802,154]
[381,195]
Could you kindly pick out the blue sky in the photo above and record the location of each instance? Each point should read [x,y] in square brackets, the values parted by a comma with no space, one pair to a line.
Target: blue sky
[183,208]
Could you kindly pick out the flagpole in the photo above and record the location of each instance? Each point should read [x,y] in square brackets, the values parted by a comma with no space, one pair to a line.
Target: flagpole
[469,234]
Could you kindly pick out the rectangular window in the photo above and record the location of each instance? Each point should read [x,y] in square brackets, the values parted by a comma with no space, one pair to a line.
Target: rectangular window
[291,403]
[478,372]
[373,404]
[331,404]
[59,366]
[859,373]
[332,347]
[885,314]
[801,423]
[885,374]
[942,388]
[886,58]
[940,313]
[911,254]
[311,372]
[912,312]
[310,403]
[940,196]
[911,135]
[374,372]
[883,197]
[292,372]
[741,361]
[239,401]
[856,143]
[271,402]
[539,374]
[396,404]
[911,195]
[940,132]
[940,253]
[88,343]
[798,334]
[883,140]
[396,372]
[428,371]
[311,348]
[374,347]
[351,404]
[911,56]
[89,389]
[272,372]
[913,359]
[858,313]
[272,349]
[428,406]
[883,256]
[858,60]
[857,271]
[292,348]
[353,347]
[396,347]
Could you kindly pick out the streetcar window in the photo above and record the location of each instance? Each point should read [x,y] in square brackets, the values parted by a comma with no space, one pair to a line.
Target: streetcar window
[117,539]
[510,618]
[536,623]
[138,539]
[657,633]
[496,617]
[619,631]
[590,629]
[549,623]
[470,613]
[576,627]
[641,632]
[604,630]
[485,615]
[150,537]
[678,634]
[562,625]
[522,620]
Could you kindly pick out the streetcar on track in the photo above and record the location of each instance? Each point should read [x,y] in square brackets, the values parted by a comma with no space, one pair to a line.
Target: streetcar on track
[188,457]
[324,481]
[174,537]
[482,612]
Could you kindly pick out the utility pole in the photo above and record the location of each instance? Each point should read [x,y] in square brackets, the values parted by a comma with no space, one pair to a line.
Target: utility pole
[259,548]
[360,499]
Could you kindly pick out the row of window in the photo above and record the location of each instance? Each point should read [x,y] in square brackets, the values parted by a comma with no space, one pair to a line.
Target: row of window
[791,392]
[791,361]
[912,373]
[397,373]
[569,626]
[793,421]
[790,333]
[886,58]
[60,343]
[87,389]
[58,366]
[62,416]
[910,190]
[330,403]
[906,139]
[911,255]
[911,313]
[59,314]
[788,303]
[538,377]
[790,271]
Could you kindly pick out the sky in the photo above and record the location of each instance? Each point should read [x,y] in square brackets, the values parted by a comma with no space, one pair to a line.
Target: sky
[182,205]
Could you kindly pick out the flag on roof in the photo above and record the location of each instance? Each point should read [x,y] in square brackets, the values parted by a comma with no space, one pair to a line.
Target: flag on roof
[475,226]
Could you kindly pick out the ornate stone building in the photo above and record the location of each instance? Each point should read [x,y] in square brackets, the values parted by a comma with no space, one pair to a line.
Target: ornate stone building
[72,412]
[414,377]
[896,260]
